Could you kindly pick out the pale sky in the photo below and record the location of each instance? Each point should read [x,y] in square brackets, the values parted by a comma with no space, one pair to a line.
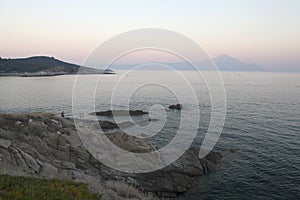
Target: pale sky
[266,32]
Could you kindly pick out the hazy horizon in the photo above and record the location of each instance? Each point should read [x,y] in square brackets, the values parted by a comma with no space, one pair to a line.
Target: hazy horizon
[265,33]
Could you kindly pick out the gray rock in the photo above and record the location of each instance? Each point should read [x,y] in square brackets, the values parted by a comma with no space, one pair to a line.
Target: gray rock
[38,150]
[180,175]
[47,170]
[30,162]
[5,143]
[120,113]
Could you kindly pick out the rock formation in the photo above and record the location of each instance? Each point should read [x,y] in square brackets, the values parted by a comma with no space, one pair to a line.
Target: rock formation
[120,113]
[48,146]
[175,107]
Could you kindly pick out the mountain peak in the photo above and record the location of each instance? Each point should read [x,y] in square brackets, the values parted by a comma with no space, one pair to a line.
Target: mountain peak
[226,62]
[225,56]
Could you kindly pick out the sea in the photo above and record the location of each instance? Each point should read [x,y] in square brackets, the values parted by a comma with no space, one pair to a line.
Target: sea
[260,139]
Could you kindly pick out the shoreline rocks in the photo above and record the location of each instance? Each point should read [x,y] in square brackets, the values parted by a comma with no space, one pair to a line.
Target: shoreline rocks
[5,143]
[31,146]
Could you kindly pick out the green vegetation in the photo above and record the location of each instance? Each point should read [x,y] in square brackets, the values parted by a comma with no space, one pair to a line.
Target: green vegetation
[17,188]
[36,64]
[45,65]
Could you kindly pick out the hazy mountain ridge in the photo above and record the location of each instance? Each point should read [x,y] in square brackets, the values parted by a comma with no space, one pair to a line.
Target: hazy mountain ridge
[223,63]
[229,63]
[43,65]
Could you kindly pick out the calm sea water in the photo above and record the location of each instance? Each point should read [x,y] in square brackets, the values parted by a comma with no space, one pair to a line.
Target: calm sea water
[262,122]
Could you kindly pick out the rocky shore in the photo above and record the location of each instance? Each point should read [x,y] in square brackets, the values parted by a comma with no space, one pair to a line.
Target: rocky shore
[47,146]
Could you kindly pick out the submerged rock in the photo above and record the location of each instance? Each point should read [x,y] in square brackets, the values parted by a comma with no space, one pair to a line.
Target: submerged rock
[120,113]
[175,107]
[108,125]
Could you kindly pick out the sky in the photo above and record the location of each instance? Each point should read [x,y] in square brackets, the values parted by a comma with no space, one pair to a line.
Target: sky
[263,32]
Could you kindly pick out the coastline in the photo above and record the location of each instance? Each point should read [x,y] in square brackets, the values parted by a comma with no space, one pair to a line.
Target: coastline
[47,146]
[49,74]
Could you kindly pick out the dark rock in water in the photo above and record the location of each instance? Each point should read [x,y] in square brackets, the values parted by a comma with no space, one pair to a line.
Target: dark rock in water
[48,146]
[108,125]
[232,150]
[120,113]
[213,157]
[175,107]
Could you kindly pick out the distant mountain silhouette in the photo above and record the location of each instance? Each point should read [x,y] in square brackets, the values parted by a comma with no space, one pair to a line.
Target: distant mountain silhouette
[223,62]
[229,63]
[43,65]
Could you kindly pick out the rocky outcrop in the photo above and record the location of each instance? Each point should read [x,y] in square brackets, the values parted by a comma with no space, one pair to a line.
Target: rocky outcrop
[5,143]
[180,175]
[47,146]
[175,107]
[120,113]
